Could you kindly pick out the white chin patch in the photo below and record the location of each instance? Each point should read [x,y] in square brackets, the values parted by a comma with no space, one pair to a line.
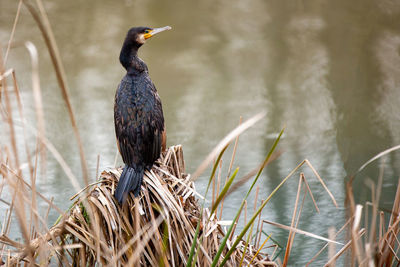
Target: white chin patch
[140,39]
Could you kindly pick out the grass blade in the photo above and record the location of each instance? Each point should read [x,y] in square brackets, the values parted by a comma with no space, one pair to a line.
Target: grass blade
[224,191]
[302,232]
[259,249]
[291,233]
[379,155]
[192,249]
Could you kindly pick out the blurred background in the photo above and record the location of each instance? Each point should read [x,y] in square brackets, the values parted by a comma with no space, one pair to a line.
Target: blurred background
[328,71]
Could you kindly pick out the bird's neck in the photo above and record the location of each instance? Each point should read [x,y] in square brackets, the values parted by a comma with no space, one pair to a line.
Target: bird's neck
[130,60]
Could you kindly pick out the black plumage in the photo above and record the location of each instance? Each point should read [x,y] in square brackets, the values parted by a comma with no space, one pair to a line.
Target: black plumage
[138,115]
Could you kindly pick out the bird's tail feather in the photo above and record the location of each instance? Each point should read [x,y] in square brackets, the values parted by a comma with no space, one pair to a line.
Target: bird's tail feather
[130,180]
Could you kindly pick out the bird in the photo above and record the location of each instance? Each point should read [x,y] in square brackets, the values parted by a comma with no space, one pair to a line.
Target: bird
[138,115]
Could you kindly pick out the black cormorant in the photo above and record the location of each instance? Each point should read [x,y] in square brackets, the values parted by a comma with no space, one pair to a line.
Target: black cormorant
[138,115]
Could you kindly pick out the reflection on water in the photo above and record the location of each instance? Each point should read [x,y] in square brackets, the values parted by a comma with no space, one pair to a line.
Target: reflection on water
[328,70]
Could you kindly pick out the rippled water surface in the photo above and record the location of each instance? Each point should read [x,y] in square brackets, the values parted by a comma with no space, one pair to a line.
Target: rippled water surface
[329,71]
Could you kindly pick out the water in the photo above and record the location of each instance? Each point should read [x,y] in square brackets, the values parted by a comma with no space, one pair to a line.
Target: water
[326,70]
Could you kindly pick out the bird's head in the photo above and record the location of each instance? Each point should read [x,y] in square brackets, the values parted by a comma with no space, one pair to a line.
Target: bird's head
[139,35]
[134,39]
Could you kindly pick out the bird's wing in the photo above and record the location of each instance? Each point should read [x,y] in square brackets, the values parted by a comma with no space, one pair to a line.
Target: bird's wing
[155,123]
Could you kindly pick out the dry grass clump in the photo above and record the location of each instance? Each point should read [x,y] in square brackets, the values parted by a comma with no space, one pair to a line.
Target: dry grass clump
[155,229]
[374,239]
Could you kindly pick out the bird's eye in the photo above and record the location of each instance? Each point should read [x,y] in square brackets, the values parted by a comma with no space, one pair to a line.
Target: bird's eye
[146,31]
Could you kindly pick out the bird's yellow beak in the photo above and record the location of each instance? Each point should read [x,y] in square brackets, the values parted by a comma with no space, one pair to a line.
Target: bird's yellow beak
[155,31]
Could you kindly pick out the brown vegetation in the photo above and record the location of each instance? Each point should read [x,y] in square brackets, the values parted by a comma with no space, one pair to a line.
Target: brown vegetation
[155,229]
